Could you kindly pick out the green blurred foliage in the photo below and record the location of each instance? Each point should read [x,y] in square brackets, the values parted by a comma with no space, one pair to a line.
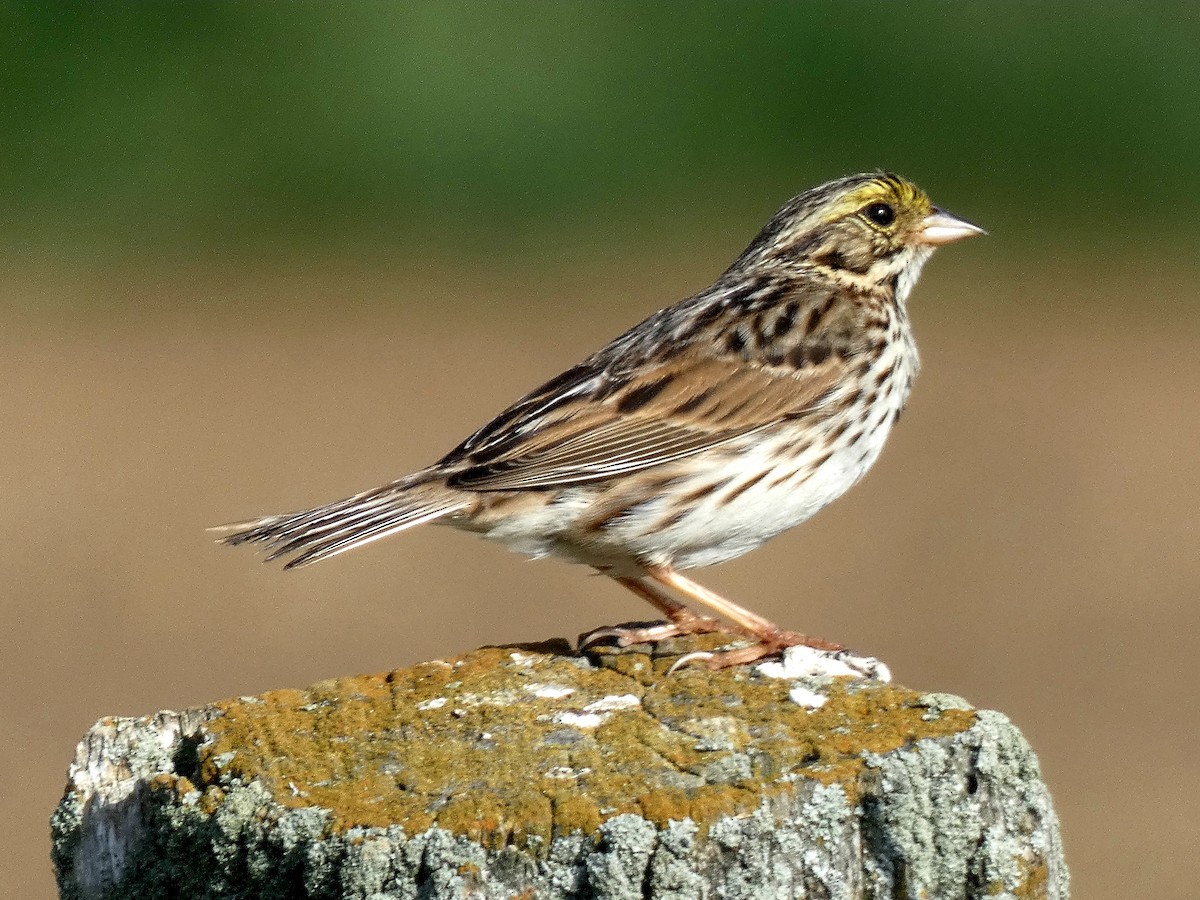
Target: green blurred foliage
[188,128]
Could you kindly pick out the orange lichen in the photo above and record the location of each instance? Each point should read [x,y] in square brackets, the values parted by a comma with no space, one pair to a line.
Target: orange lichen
[520,746]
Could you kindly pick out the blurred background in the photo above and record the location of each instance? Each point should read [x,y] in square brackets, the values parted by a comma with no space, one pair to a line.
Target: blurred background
[256,257]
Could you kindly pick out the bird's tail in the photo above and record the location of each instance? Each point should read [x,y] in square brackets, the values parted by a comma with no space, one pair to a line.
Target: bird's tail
[315,534]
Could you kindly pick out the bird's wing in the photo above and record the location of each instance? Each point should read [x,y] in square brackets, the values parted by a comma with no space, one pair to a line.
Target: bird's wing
[585,427]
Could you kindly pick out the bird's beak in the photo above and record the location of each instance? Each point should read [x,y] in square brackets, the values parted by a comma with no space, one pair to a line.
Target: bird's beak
[940,227]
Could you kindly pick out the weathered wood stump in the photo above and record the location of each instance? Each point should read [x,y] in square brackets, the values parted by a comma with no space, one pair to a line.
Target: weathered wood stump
[537,772]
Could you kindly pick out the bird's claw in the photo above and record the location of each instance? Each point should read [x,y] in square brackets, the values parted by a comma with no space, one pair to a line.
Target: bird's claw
[630,634]
[689,658]
[791,661]
[652,632]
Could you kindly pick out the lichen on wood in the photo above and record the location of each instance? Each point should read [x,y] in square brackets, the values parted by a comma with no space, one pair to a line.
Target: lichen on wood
[539,770]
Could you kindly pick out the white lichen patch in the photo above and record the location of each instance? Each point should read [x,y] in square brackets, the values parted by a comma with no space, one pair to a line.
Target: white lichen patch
[434,703]
[596,713]
[566,772]
[612,702]
[222,760]
[470,700]
[809,662]
[549,691]
[802,696]
[580,719]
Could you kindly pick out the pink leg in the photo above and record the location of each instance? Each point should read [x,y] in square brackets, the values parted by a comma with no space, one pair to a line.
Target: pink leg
[680,619]
[772,638]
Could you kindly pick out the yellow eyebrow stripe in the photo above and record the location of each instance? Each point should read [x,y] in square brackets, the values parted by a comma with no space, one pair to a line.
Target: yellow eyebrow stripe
[884,188]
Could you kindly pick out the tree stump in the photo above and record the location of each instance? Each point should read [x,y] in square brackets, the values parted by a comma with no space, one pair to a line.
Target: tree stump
[538,772]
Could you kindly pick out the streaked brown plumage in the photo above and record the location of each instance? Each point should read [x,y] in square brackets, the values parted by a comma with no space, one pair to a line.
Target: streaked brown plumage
[698,434]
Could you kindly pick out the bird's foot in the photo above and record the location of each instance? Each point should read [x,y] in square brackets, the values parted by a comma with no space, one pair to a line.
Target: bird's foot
[789,654]
[771,643]
[652,632]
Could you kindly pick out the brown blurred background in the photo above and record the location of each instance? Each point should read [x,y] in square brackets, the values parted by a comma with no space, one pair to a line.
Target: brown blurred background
[256,260]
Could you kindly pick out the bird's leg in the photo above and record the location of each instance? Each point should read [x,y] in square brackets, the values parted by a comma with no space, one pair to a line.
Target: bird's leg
[680,619]
[772,639]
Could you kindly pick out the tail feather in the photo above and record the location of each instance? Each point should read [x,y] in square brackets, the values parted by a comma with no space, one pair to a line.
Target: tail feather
[324,531]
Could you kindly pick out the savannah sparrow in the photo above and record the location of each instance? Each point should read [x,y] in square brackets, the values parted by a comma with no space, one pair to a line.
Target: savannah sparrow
[700,433]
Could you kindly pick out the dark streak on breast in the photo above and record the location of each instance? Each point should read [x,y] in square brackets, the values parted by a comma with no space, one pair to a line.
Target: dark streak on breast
[743,487]
[607,516]
[703,491]
[838,430]
[672,520]
[884,375]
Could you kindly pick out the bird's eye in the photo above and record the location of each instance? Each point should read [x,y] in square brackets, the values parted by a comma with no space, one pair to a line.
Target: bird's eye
[881,214]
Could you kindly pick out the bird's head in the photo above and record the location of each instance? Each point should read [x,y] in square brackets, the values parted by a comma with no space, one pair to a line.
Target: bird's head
[874,229]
